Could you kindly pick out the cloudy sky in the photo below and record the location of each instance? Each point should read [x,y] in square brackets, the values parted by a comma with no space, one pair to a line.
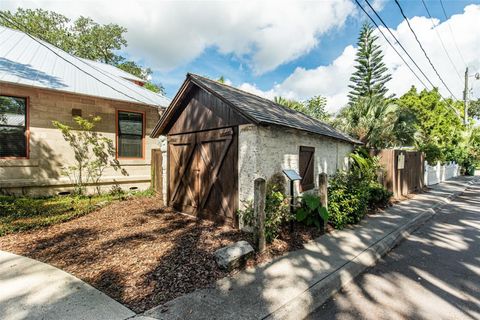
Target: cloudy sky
[295,49]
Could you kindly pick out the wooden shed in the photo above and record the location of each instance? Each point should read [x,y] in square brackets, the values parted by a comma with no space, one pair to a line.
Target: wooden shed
[221,138]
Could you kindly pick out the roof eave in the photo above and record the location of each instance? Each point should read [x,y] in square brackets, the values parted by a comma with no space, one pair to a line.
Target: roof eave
[346,140]
[157,106]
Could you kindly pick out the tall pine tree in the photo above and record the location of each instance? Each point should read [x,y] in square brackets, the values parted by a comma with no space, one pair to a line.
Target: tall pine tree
[371,74]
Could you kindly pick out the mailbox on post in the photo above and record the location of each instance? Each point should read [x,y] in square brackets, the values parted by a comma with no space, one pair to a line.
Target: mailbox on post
[292,176]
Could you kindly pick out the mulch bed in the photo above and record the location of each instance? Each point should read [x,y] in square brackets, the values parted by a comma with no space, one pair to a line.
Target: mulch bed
[140,253]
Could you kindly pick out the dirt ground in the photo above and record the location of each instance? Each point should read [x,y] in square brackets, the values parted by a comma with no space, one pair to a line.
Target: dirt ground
[140,253]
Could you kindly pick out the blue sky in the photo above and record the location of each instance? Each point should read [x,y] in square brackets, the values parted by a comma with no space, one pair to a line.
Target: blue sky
[213,64]
[296,49]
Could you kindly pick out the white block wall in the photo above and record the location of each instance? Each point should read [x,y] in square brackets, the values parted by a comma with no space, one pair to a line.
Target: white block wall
[264,151]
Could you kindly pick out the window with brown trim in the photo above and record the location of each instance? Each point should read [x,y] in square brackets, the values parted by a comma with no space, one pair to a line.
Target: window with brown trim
[306,165]
[130,134]
[13,127]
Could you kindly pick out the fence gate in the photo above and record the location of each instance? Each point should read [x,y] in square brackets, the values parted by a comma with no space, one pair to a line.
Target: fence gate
[402,180]
[157,171]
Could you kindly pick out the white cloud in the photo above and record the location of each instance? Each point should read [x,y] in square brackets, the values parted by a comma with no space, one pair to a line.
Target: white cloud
[332,80]
[264,34]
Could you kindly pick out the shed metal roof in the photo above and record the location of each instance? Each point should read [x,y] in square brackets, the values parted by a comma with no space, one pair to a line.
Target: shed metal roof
[29,61]
[259,110]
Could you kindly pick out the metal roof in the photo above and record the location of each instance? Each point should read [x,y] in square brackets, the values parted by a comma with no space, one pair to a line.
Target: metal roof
[26,60]
[113,70]
[259,110]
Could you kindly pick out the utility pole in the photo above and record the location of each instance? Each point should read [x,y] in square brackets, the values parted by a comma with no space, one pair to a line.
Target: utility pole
[465,99]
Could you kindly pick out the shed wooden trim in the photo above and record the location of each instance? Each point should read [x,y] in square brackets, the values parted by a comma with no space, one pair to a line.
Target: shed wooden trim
[181,95]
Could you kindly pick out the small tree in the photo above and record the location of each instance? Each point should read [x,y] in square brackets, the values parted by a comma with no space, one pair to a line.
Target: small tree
[371,74]
[93,153]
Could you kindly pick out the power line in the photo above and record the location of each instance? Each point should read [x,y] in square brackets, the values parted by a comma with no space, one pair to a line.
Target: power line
[399,43]
[423,49]
[434,27]
[393,47]
[27,32]
[451,32]
[383,22]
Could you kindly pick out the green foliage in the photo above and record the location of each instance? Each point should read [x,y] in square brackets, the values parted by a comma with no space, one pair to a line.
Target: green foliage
[83,37]
[277,208]
[378,195]
[24,213]
[351,194]
[313,107]
[438,129]
[155,87]
[370,115]
[346,203]
[97,42]
[311,211]
[93,153]
[47,25]
[371,120]
[433,153]
[371,75]
[474,109]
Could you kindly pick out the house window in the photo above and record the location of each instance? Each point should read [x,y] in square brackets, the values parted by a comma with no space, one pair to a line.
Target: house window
[130,134]
[306,165]
[13,127]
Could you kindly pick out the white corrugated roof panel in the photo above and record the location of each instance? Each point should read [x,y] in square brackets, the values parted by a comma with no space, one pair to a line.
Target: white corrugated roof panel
[113,70]
[33,62]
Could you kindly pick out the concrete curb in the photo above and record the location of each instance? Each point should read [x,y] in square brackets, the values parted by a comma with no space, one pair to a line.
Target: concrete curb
[312,298]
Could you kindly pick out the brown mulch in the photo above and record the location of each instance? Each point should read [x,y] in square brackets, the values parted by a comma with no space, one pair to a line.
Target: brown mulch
[140,253]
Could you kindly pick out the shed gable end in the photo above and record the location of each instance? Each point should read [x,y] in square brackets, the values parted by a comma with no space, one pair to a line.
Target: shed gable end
[203,111]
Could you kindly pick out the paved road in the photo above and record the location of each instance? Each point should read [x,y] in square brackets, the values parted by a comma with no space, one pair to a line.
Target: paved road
[434,274]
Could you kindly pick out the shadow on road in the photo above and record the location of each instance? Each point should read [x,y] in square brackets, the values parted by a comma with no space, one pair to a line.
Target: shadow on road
[434,274]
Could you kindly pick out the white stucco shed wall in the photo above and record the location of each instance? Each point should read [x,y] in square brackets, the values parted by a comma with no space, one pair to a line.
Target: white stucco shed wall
[264,151]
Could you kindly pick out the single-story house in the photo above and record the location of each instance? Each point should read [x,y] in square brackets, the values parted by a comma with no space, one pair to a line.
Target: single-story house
[40,83]
[220,139]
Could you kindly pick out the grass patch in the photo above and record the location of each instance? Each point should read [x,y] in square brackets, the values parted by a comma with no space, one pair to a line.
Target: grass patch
[24,213]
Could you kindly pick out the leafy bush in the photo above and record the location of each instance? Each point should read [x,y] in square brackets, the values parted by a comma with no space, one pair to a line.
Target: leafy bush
[311,211]
[378,196]
[351,194]
[347,199]
[433,153]
[93,153]
[277,208]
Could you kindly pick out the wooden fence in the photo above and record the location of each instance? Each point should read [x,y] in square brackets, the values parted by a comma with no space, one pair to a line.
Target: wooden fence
[404,171]
[157,171]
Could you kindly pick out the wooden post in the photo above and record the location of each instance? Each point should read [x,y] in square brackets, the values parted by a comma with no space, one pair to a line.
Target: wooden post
[259,211]
[323,192]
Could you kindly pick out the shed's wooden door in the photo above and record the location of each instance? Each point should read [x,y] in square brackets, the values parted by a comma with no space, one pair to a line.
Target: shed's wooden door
[203,173]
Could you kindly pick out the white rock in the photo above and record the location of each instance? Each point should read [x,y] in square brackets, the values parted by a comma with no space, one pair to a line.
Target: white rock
[234,255]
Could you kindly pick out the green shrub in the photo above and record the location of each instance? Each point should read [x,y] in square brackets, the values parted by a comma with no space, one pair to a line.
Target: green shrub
[433,153]
[351,194]
[378,195]
[277,208]
[347,199]
[311,211]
